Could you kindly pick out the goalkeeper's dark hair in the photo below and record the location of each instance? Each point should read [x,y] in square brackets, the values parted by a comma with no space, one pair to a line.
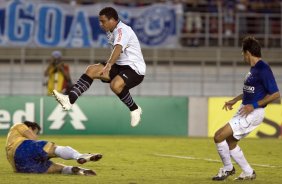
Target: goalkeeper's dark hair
[252,45]
[32,125]
[109,12]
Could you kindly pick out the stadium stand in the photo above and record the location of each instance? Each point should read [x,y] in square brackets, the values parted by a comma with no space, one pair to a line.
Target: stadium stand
[201,71]
[213,67]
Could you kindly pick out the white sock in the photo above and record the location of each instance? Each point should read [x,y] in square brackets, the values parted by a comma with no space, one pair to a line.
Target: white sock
[223,151]
[66,152]
[67,170]
[238,155]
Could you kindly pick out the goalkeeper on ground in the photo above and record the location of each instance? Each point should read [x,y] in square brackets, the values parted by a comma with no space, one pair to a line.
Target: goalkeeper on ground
[26,154]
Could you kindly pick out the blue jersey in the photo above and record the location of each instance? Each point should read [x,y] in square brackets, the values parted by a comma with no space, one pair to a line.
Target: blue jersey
[258,83]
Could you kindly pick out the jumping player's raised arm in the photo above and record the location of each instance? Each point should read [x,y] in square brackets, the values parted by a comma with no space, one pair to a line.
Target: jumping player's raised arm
[113,58]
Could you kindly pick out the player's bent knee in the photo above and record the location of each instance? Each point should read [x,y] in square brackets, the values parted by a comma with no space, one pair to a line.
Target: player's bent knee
[49,148]
[116,87]
[218,137]
[93,71]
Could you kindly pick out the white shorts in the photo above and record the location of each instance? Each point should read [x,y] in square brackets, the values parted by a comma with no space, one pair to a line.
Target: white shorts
[242,126]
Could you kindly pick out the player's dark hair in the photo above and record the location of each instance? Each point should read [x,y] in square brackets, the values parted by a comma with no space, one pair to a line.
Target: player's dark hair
[109,12]
[32,125]
[252,45]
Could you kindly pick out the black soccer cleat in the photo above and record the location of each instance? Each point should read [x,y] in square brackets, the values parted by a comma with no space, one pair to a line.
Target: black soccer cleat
[83,172]
[89,157]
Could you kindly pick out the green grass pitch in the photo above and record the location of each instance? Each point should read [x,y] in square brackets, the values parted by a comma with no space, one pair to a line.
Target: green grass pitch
[135,159]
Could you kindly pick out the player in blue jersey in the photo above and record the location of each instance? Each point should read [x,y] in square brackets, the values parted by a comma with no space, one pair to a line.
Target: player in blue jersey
[259,89]
[26,154]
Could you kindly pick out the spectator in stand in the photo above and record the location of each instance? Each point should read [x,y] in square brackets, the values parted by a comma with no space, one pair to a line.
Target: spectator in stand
[193,21]
[275,22]
[241,8]
[212,8]
[179,14]
[256,25]
[228,20]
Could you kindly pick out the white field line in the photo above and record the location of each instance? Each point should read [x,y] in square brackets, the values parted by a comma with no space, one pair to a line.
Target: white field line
[210,160]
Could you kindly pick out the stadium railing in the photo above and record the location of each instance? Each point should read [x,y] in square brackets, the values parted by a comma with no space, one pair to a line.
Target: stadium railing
[196,71]
[265,27]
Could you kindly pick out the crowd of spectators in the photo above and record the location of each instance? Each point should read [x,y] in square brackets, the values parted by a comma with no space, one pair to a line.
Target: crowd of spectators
[258,6]
[225,16]
[222,18]
[226,12]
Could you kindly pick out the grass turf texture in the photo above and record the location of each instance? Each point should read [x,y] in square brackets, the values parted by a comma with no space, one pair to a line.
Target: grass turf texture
[133,160]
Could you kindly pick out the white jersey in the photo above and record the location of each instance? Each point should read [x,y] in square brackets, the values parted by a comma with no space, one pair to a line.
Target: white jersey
[131,51]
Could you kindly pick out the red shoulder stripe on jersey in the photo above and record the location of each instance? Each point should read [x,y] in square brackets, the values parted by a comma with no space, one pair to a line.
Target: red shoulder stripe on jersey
[119,35]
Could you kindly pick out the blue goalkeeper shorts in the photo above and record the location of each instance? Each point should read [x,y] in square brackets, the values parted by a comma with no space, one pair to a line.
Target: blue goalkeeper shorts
[31,158]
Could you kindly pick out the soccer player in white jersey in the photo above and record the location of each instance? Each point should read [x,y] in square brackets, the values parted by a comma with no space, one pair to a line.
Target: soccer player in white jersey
[124,69]
[259,89]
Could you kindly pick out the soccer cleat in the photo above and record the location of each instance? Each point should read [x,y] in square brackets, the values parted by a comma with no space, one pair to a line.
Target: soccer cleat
[89,157]
[244,176]
[223,174]
[63,100]
[82,171]
[136,116]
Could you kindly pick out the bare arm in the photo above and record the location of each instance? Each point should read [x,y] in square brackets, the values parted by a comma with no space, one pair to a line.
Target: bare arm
[247,109]
[30,134]
[113,58]
[239,97]
[268,99]
[228,105]
[115,54]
